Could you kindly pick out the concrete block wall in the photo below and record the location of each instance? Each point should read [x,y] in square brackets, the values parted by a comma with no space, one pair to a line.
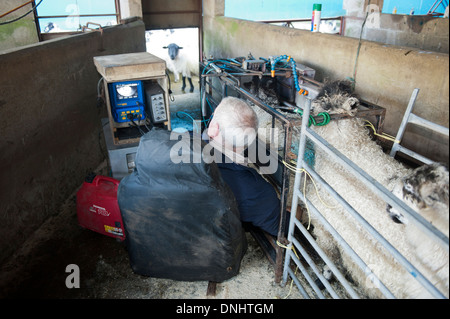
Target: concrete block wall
[420,32]
[386,74]
[50,124]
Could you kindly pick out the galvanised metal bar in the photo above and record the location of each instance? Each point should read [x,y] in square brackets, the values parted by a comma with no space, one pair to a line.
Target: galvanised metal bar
[413,154]
[294,222]
[297,282]
[415,119]
[301,152]
[374,186]
[308,277]
[346,247]
[379,189]
[410,117]
[313,266]
[404,122]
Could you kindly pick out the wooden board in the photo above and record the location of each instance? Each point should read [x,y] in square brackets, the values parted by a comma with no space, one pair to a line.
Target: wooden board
[122,67]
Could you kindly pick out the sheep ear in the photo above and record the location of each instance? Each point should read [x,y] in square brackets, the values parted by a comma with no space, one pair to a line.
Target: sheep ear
[164,47]
[180,47]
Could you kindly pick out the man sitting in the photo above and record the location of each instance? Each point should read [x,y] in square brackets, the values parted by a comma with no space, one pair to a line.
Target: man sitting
[232,129]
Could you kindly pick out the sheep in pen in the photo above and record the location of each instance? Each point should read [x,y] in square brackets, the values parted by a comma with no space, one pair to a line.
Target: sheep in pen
[424,189]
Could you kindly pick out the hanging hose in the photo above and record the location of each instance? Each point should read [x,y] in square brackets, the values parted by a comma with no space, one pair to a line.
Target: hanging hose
[294,71]
[312,121]
[18,18]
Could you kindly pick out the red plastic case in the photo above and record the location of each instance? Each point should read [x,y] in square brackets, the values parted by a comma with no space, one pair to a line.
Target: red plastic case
[98,209]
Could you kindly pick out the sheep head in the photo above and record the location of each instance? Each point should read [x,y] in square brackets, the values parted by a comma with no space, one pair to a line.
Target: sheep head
[173,50]
[336,97]
[426,190]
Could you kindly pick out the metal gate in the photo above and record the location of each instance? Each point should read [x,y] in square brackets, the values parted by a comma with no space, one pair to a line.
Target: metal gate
[308,286]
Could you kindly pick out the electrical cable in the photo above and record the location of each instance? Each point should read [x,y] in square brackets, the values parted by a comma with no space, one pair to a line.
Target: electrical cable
[145,122]
[171,97]
[206,121]
[273,62]
[224,62]
[353,79]
[382,135]
[131,117]
[100,97]
[17,8]
[293,168]
[22,16]
[206,71]
[193,120]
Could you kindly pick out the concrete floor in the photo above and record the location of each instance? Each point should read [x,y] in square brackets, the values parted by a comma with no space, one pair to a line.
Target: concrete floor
[185,105]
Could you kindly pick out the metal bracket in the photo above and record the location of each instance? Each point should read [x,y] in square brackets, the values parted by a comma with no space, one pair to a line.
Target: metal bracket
[86,27]
[100,29]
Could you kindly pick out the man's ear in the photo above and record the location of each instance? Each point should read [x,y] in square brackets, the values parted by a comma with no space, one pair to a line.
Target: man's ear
[213,129]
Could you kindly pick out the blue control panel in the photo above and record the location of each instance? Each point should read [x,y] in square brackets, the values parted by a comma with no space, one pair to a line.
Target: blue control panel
[127,101]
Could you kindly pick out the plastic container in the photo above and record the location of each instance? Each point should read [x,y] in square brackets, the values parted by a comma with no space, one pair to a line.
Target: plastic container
[97,206]
[315,22]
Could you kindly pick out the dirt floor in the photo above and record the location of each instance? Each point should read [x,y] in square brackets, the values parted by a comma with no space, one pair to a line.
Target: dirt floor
[38,269]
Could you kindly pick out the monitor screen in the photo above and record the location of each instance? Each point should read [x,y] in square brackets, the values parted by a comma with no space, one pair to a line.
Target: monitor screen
[126,90]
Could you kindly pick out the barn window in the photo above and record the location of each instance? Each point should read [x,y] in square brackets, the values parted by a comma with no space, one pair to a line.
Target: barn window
[69,16]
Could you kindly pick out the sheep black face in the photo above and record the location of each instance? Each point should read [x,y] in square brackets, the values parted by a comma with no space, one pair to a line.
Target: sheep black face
[426,190]
[173,50]
[336,97]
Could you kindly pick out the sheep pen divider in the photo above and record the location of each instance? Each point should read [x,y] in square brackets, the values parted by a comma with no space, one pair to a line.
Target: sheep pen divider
[373,185]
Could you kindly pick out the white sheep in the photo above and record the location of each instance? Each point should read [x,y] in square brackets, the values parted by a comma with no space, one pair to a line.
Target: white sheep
[179,62]
[187,59]
[351,137]
[426,190]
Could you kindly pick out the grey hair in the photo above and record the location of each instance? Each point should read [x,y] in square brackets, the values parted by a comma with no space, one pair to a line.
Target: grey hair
[238,123]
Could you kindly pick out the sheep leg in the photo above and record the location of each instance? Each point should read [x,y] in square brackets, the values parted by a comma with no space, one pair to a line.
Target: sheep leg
[192,85]
[184,84]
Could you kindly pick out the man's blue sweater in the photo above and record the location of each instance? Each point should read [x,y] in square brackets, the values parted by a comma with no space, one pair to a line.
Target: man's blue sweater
[257,200]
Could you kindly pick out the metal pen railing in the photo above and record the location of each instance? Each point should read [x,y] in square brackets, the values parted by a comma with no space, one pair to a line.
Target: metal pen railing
[374,186]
